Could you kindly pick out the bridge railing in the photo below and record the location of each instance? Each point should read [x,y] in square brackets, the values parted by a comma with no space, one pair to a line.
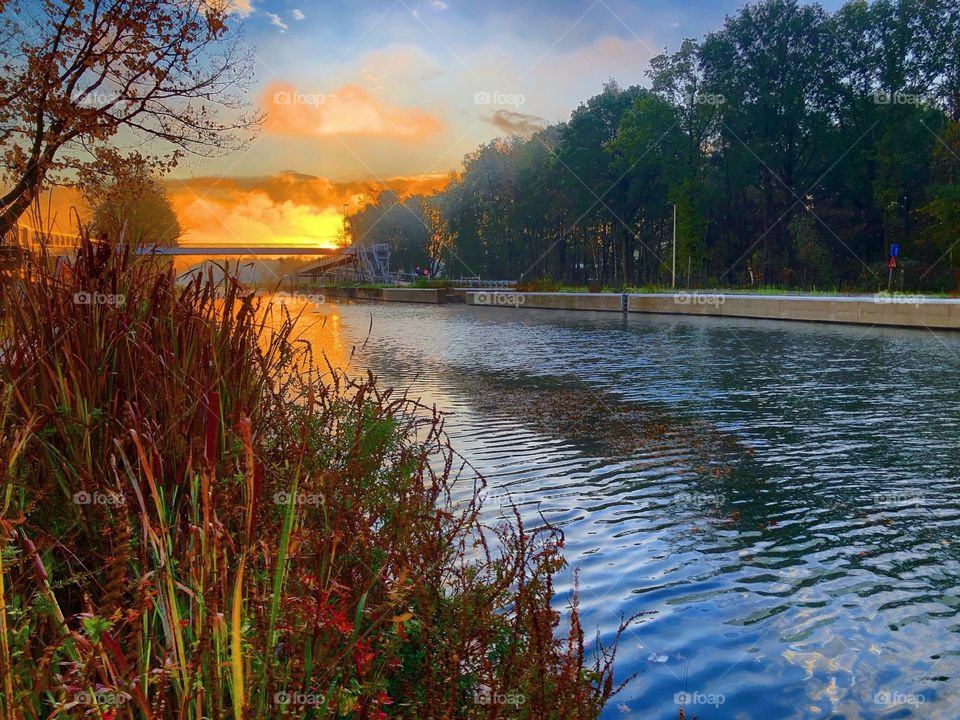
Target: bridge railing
[478,282]
[51,240]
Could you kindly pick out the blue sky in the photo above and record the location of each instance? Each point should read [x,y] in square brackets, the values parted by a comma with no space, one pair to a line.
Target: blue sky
[539,58]
[362,93]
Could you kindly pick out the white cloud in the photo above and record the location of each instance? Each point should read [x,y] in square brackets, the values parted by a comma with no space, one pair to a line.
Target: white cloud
[298,14]
[275,20]
[440,5]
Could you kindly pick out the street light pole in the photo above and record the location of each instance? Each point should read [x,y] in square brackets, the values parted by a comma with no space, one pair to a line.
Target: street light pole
[673,282]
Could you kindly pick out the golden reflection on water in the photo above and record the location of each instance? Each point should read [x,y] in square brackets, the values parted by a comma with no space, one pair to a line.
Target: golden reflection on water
[346,347]
[319,325]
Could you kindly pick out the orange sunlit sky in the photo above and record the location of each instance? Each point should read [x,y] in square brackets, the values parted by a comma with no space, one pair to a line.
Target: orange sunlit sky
[361,94]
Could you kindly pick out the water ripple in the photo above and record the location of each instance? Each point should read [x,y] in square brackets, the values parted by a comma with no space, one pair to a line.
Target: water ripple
[785,496]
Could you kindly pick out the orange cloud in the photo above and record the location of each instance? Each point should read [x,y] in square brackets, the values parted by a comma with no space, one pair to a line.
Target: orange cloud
[350,111]
[243,7]
[286,209]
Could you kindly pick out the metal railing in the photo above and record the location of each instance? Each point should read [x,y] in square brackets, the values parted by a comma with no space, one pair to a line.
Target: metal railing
[478,282]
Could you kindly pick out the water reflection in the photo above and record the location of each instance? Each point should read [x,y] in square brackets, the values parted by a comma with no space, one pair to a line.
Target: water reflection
[785,496]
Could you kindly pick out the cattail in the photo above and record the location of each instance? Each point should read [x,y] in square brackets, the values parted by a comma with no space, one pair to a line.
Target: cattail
[36,562]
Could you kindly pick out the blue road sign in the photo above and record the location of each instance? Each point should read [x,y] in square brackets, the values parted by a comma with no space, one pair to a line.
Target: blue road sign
[894,250]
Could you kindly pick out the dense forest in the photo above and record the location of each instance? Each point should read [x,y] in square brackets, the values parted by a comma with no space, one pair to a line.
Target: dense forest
[796,146]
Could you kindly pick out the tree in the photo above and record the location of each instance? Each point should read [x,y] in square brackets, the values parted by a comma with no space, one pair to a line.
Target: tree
[134,208]
[797,146]
[436,230]
[768,64]
[603,181]
[653,148]
[414,229]
[79,79]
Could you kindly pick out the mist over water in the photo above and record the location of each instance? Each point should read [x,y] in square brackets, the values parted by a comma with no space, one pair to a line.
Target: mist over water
[784,496]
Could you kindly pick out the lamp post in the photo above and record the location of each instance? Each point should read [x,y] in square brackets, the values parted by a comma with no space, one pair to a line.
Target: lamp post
[673,281]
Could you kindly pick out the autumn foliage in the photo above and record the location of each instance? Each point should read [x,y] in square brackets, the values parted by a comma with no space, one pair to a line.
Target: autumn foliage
[194,523]
[98,85]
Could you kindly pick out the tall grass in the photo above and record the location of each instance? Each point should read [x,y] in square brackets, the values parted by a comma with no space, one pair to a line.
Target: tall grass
[195,524]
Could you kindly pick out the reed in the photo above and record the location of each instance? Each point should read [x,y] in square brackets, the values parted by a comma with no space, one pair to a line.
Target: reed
[195,522]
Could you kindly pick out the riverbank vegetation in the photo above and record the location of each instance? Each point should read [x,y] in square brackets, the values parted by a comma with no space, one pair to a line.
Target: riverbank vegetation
[194,525]
[797,145]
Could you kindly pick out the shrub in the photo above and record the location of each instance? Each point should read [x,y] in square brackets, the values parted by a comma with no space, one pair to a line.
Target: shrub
[543,285]
[422,282]
[194,524]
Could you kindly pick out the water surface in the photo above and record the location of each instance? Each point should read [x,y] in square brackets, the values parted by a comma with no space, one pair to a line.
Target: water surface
[784,496]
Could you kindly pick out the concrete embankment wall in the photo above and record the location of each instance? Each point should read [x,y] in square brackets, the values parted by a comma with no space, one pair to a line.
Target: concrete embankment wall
[607,302]
[431,296]
[898,310]
[906,311]
[353,293]
[415,295]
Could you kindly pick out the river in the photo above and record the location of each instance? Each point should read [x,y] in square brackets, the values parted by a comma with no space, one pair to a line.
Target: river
[785,497]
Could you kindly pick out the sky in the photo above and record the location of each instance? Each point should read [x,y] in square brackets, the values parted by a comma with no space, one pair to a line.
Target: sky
[360,94]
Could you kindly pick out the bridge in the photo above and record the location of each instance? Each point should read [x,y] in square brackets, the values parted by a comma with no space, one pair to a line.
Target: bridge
[259,251]
[356,263]
[58,244]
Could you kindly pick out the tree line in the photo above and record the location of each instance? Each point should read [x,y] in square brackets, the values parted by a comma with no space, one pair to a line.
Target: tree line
[795,146]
